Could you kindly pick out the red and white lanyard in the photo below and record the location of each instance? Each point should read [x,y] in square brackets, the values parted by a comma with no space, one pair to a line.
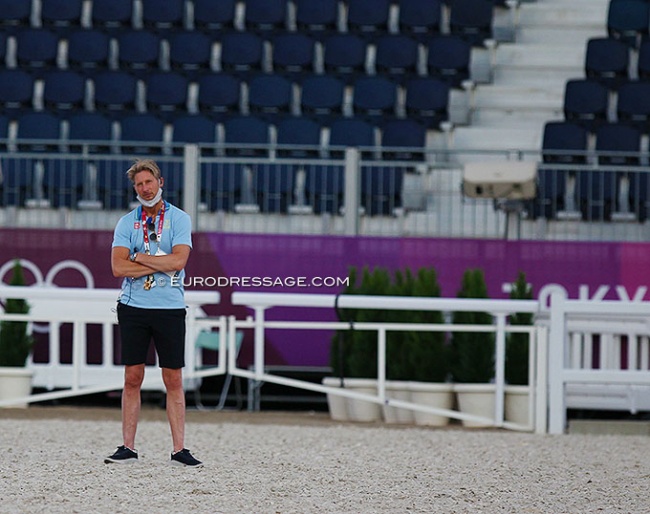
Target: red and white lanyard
[158,232]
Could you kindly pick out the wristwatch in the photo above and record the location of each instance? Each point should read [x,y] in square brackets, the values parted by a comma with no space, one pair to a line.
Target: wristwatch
[133,256]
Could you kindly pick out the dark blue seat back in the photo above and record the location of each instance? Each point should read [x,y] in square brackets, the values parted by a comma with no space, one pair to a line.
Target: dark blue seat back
[166,93]
[298,137]
[317,19]
[214,17]
[381,189]
[15,14]
[115,92]
[643,62]
[219,95]
[607,61]
[88,50]
[350,132]
[64,91]
[61,15]
[265,16]
[374,98]
[368,18]
[247,136]
[139,51]
[420,18]
[163,16]
[141,128]
[322,97]
[38,131]
[427,101]
[471,20]
[397,57]
[194,128]
[241,52]
[269,96]
[114,189]
[113,16]
[293,54]
[586,102]
[627,20]
[344,56]
[89,126]
[404,140]
[190,52]
[36,49]
[16,90]
[448,59]
[633,104]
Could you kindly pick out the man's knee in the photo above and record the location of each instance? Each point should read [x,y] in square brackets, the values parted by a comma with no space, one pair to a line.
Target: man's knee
[133,376]
[173,378]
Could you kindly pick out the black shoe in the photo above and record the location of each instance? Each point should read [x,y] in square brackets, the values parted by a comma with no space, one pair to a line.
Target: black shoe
[122,455]
[184,458]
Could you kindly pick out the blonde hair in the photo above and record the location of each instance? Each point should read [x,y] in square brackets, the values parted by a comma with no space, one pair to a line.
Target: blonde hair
[143,165]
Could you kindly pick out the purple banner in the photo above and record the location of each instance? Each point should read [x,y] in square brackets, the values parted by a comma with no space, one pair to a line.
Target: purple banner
[320,264]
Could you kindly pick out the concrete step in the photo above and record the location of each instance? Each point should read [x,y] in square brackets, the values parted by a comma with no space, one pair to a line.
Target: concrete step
[514,118]
[558,34]
[581,13]
[549,56]
[549,95]
[609,427]
[494,141]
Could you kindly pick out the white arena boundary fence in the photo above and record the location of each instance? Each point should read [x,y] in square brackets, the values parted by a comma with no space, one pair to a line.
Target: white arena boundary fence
[584,354]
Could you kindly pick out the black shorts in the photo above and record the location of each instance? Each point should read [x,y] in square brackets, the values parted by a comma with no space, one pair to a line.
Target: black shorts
[139,326]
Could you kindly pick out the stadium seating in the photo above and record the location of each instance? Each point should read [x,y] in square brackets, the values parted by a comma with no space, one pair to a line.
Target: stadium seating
[139,52]
[166,94]
[374,99]
[164,16]
[36,50]
[15,14]
[218,95]
[368,18]
[427,101]
[269,96]
[61,15]
[344,56]
[607,60]
[115,93]
[214,17]
[633,104]
[471,20]
[190,53]
[586,102]
[627,20]
[643,61]
[64,91]
[293,54]
[89,127]
[420,19]
[322,97]
[449,59]
[16,91]
[318,19]
[241,52]
[265,16]
[141,134]
[396,57]
[88,51]
[113,16]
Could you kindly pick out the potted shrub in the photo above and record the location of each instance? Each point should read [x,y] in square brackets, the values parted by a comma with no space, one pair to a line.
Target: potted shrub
[15,346]
[473,354]
[428,356]
[517,358]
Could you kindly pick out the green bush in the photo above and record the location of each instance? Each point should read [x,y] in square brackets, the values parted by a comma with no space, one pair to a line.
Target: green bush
[409,355]
[517,345]
[472,352]
[15,343]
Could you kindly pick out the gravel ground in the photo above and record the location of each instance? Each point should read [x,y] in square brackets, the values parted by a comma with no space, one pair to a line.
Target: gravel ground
[52,461]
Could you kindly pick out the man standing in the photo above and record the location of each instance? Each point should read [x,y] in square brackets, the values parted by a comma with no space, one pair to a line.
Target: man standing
[151,246]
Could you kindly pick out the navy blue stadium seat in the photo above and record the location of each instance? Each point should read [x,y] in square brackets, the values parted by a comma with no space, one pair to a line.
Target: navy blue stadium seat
[38,132]
[344,56]
[350,132]
[164,16]
[617,144]
[607,60]
[241,52]
[221,185]
[141,134]
[63,91]
[88,50]
[194,128]
[403,140]
[643,61]
[448,59]
[138,51]
[92,128]
[15,14]
[633,104]
[563,143]
[586,102]
[166,94]
[420,18]
[381,189]
[173,184]
[471,20]
[36,49]
[324,188]
[190,52]
[427,101]
[214,17]
[17,180]
[113,16]
[397,57]
[374,98]
[627,20]
[219,95]
[368,18]
[4,131]
[114,189]
[246,136]
[273,185]
[293,54]
[115,93]
[63,181]
[269,96]
[298,137]
[318,19]
[322,97]
[265,16]
[16,91]
[3,47]
[61,15]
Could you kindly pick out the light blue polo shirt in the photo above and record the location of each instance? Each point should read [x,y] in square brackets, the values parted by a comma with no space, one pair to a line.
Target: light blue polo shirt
[177,230]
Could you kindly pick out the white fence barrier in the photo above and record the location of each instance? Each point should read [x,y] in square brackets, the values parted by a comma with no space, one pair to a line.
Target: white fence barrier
[584,354]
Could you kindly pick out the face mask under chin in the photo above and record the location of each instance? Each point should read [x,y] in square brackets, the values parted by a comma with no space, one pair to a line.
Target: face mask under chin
[153,201]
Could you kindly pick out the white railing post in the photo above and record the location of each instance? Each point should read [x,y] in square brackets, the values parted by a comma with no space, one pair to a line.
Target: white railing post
[500,368]
[540,382]
[556,363]
[381,364]
[352,192]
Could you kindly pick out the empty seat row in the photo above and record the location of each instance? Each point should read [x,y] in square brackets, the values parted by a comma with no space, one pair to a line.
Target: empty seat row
[597,191]
[193,54]
[629,21]
[169,95]
[609,61]
[590,103]
[469,18]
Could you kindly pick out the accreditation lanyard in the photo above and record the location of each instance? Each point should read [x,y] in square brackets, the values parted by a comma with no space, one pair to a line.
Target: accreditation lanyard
[145,230]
